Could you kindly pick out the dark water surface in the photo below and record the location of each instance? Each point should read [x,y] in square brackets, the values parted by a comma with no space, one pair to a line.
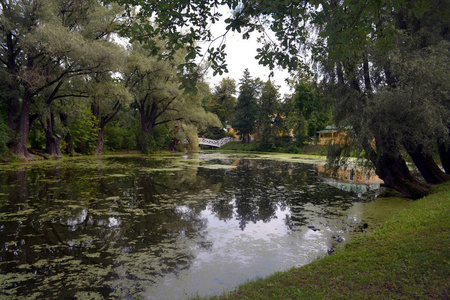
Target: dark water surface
[170,227]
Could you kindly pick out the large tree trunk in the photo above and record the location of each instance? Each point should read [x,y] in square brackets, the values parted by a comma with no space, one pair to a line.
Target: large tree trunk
[427,166]
[53,145]
[100,142]
[392,169]
[102,124]
[147,126]
[52,141]
[22,129]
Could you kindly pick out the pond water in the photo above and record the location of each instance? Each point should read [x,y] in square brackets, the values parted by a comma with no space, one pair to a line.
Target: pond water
[171,226]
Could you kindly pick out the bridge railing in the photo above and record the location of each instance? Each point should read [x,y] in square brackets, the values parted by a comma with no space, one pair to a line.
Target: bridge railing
[214,143]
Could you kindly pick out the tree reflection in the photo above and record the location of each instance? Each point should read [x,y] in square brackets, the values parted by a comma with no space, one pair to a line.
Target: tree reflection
[252,192]
[256,189]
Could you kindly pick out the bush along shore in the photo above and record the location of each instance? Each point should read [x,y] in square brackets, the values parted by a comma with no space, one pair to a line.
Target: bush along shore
[408,258]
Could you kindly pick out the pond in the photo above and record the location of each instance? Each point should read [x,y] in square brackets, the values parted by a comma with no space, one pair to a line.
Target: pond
[171,226]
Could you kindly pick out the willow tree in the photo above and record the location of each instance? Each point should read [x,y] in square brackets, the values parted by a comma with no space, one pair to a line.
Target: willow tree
[157,93]
[380,88]
[44,45]
[18,20]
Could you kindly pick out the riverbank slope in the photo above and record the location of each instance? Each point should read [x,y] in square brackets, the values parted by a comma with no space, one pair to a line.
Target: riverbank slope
[407,259]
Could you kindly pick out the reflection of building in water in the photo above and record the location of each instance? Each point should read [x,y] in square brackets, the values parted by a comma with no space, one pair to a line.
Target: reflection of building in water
[353,174]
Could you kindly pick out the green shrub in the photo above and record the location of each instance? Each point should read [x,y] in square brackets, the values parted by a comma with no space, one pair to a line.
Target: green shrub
[83,133]
[159,139]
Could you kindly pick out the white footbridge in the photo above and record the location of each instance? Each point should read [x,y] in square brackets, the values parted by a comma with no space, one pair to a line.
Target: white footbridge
[214,143]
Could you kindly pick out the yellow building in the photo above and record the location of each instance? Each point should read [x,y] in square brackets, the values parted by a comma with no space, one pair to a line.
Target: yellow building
[331,135]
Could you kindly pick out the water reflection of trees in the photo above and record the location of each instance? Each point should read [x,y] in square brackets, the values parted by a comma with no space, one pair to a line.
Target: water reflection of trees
[252,192]
[256,189]
[55,223]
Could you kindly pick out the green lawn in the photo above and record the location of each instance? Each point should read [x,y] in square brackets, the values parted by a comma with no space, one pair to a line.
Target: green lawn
[407,259]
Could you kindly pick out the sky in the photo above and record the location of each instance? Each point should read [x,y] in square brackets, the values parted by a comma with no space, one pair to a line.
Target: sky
[241,55]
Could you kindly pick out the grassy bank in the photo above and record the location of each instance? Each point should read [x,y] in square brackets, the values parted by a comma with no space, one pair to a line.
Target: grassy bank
[407,259]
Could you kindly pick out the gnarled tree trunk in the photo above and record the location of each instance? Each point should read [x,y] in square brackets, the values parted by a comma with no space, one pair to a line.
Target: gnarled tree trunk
[392,169]
[102,121]
[427,166]
[53,145]
[22,127]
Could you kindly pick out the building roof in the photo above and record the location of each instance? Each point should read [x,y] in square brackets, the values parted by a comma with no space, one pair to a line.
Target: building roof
[333,128]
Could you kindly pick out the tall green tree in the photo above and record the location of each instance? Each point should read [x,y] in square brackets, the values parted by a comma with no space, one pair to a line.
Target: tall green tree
[268,116]
[223,101]
[312,111]
[246,108]
[18,20]
[154,87]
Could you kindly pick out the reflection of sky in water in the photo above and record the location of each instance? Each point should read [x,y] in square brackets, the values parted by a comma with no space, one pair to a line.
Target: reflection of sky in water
[113,222]
[74,222]
[239,255]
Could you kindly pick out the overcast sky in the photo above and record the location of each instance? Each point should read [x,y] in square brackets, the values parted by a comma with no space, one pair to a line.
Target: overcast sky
[241,55]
